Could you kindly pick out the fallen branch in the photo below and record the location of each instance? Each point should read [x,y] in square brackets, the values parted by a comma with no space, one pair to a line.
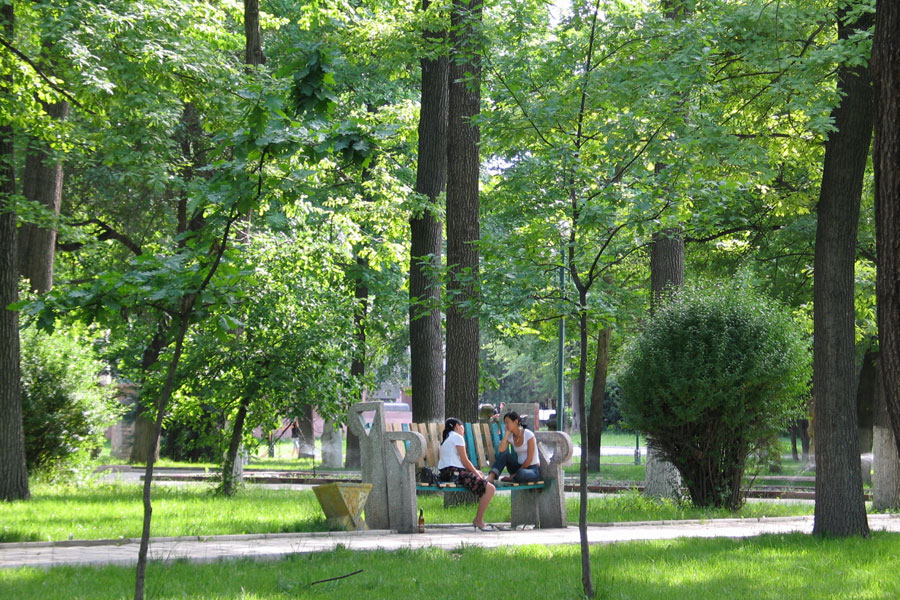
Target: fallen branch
[336,578]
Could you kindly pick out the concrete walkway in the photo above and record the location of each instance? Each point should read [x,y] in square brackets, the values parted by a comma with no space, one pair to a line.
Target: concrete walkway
[275,546]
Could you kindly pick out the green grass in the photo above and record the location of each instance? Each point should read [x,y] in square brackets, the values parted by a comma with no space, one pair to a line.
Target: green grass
[112,511]
[782,567]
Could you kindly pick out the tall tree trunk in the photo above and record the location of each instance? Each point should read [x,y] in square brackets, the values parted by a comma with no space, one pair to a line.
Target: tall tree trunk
[866,391]
[886,74]
[885,459]
[425,339]
[141,448]
[253,52]
[162,401]
[463,233]
[840,505]
[234,444]
[307,431]
[13,473]
[586,583]
[43,185]
[661,478]
[598,393]
[358,363]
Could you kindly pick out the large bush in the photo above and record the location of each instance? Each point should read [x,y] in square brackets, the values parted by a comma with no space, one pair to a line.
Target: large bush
[716,371]
[65,410]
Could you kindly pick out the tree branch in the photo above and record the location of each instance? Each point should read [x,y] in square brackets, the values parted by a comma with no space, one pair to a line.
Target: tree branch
[43,76]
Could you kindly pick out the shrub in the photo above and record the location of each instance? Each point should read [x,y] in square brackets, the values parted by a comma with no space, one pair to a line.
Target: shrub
[65,410]
[715,372]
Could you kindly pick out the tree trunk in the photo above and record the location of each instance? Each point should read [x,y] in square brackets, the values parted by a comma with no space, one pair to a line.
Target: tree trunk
[865,399]
[253,52]
[43,185]
[586,583]
[237,433]
[425,336]
[161,403]
[886,74]
[463,336]
[307,432]
[598,393]
[886,463]
[143,424]
[358,363]
[13,473]
[661,478]
[840,506]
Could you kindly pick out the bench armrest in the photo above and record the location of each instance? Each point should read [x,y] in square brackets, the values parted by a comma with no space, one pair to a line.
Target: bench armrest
[557,443]
[414,450]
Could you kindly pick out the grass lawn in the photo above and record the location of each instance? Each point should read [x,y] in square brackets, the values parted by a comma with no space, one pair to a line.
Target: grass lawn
[783,567]
[112,511]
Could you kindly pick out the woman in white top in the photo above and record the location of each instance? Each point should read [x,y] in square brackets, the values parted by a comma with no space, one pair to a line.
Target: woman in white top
[522,459]
[454,464]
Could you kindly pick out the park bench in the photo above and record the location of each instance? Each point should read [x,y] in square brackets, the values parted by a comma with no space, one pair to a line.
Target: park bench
[482,441]
[391,455]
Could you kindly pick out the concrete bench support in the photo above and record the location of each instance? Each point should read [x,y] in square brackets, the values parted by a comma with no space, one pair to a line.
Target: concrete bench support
[389,463]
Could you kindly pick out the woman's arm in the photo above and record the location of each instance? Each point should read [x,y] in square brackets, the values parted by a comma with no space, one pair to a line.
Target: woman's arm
[504,443]
[531,446]
[466,462]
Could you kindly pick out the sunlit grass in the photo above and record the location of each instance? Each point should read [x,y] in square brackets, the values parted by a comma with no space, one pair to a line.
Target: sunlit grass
[782,567]
[112,511]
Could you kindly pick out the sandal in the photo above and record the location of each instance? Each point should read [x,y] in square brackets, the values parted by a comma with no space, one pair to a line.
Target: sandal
[487,527]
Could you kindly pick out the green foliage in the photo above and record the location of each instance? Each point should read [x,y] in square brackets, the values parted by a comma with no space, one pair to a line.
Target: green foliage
[65,409]
[716,371]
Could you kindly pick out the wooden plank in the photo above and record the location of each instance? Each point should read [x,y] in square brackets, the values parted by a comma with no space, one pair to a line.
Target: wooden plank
[470,443]
[429,449]
[434,433]
[477,433]
[489,442]
[496,434]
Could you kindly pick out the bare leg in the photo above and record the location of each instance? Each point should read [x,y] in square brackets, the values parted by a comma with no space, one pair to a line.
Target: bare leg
[483,504]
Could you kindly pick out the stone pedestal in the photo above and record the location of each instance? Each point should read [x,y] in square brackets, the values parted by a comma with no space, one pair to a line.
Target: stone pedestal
[343,504]
[545,508]
[371,452]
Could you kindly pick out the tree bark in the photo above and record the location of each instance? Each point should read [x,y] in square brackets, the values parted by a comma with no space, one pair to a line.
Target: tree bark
[463,233]
[661,478]
[425,335]
[143,425]
[666,265]
[13,472]
[885,460]
[598,393]
[253,52]
[865,399]
[840,506]
[234,444]
[358,363]
[307,432]
[43,185]
[886,76]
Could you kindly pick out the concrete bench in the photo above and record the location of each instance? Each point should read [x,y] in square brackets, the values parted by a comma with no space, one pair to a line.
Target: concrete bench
[391,454]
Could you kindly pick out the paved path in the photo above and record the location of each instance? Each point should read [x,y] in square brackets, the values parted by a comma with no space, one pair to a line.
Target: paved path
[274,546]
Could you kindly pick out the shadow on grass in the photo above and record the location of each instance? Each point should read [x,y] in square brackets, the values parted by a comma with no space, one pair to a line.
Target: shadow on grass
[779,566]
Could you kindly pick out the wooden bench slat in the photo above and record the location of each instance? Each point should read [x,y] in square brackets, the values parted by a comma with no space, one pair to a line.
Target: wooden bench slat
[433,440]
[477,433]
[490,451]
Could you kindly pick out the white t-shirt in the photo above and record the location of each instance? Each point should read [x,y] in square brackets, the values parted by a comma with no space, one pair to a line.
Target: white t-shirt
[449,453]
[522,451]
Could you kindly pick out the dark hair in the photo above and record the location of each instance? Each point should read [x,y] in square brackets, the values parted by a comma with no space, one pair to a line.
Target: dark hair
[516,418]
[449,425]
